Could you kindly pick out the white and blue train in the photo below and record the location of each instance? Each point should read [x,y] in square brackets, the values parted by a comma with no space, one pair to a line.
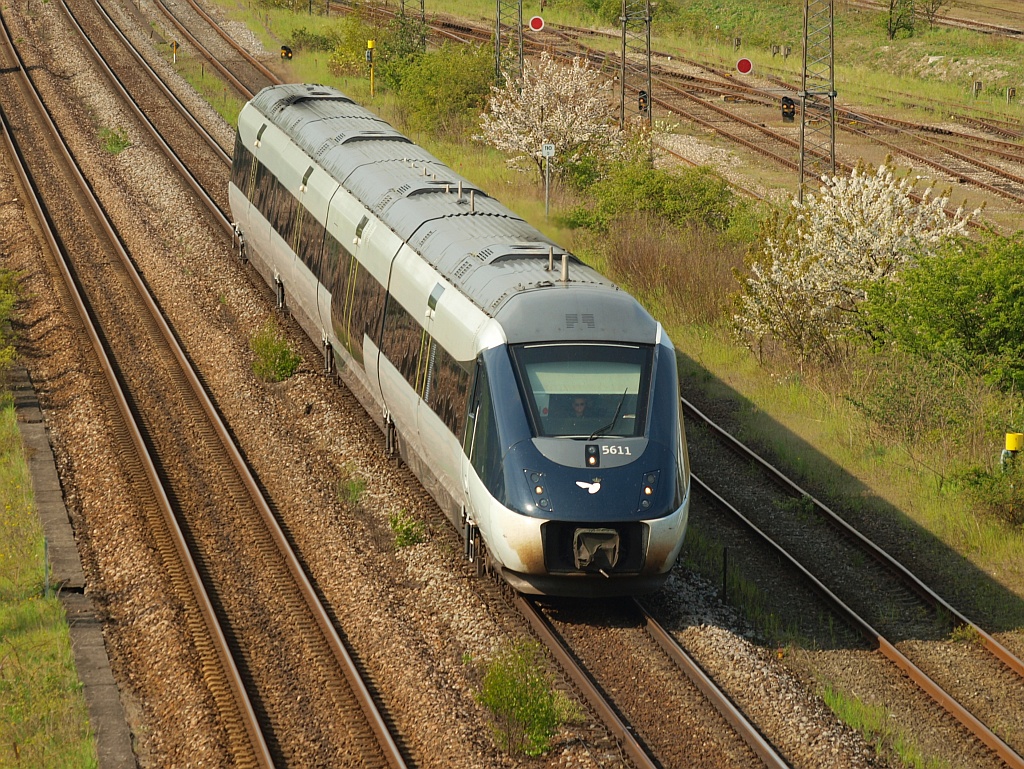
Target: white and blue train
[536,401]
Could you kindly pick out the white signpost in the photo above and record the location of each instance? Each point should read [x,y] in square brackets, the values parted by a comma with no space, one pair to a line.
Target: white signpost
[547,151]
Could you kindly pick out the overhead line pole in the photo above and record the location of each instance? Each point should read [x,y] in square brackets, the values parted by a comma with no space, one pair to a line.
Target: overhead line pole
[817,94]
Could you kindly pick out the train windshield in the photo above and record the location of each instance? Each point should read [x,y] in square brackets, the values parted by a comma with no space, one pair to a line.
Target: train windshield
[585,390]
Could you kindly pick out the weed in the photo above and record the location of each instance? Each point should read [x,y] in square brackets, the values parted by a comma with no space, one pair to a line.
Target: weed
[350,489]
[876,723]
[114,140]
[275,360]
[407,530]
[525,709]
[965,634]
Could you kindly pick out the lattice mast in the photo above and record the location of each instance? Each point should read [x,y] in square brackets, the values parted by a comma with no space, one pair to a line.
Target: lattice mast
[508,39]
[635,75]
[817,94]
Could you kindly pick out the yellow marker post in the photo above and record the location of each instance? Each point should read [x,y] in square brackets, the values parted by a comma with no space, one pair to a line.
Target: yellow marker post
[369,60]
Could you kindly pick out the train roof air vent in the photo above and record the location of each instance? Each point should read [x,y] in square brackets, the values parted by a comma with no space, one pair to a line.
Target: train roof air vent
[572,320]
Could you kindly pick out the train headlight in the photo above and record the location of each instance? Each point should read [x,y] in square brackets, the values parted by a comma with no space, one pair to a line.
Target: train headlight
[593,455]
[538,488]
[648,488]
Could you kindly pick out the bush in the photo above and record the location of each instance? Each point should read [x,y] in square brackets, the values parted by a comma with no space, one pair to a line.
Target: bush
[696,198]
[275,360]
[998,493]
[962,308]
[348,54]
[444,91]
[686,270]
[304,39]
[521,700]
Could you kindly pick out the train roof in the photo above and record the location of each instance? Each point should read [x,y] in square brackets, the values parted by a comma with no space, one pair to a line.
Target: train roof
[476,243]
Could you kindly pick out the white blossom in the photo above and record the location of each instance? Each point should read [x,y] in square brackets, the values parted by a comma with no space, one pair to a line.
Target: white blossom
[567,106]
[805,284]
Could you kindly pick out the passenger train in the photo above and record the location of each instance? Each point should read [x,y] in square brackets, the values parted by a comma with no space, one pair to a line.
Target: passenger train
[536,401]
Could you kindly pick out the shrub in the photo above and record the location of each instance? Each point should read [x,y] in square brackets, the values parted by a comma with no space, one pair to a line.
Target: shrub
[304,39]
[275,360]
[348,55]
[963,308]
[812,269]
[443,91]
[998,493]
[686,269]
[521,700]
[696,198]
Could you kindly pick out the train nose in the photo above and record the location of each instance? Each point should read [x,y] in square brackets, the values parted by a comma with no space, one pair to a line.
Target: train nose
[596,549]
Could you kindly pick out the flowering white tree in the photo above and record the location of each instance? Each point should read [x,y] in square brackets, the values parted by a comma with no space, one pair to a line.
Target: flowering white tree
[815,267]
[567,106]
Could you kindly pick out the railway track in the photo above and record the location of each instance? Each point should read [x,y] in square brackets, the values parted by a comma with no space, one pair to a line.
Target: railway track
[867,589]
[214,528]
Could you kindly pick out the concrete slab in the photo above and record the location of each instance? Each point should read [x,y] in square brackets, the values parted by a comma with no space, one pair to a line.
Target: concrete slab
[106,716]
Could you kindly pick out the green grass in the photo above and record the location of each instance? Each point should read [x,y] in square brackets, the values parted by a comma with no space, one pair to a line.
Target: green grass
[351,488]
[875,723]
[114,140]
[274,359]
[43,717]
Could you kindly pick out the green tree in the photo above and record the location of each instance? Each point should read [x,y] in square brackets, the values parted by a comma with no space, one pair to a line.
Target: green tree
[964,306]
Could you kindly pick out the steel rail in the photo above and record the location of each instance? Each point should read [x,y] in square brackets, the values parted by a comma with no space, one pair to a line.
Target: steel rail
[144,119]
[321,616]
[910,579]
[888,649]
[620,730]
[260,751]
[214,61]
[733,715]
[154,78]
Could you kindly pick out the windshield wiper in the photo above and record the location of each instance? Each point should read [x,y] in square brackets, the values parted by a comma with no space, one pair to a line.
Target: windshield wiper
[615,418]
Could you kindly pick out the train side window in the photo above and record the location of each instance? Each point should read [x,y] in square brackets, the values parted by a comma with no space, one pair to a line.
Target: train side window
[241,165]
[403,341]
[364,309]
[312,243]
[449,386]
[262,190]
[485,450]
[284,211]
[334,268]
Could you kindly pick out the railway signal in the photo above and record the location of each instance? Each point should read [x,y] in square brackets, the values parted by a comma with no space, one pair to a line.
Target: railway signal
[286,52]
[536,23]
[788,110]
[643,102]
[744,66]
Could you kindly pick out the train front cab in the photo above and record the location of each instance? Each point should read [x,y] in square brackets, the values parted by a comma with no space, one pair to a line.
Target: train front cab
[578,505]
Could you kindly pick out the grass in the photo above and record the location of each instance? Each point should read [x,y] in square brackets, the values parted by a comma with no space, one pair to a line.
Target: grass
[351,488]
[114,140]
[43,717]
[875,723]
